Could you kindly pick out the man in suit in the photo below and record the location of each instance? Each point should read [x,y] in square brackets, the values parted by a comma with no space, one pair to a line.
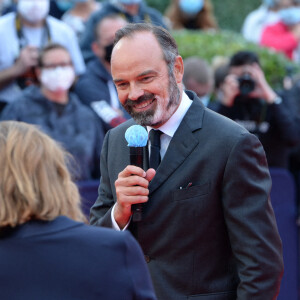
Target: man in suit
[208,230]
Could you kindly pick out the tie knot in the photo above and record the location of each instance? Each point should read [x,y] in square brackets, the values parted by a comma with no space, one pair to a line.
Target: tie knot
[154,137]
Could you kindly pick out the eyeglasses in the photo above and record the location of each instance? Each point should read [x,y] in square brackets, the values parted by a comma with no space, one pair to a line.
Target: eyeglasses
[53,66]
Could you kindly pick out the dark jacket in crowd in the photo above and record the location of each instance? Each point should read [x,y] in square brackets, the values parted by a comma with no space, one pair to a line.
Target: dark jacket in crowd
[146,14]
[93,86]
[73,125]
[275,125]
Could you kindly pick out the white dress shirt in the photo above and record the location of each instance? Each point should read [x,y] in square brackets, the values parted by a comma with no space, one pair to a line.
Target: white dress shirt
[168,130]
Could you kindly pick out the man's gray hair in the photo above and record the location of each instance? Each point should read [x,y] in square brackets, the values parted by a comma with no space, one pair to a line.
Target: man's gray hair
[164,38]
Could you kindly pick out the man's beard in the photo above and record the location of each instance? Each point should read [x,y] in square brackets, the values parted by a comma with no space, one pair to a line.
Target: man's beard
[147,118]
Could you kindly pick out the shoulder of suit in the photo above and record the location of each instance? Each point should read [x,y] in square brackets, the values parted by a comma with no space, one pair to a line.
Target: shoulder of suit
[222,123]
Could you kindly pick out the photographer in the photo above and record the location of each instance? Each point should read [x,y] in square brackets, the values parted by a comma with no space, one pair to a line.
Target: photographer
[246,97]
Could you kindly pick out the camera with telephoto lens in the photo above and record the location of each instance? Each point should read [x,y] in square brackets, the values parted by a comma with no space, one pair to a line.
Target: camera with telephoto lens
[246,84]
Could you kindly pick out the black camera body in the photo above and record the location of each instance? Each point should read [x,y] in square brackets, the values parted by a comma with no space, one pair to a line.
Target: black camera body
[246,84]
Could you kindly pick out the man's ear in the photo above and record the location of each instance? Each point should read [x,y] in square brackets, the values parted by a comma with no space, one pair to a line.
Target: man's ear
[178,69]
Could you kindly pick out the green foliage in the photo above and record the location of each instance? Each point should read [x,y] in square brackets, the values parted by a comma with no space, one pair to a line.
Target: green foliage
[209,45]
[160,5]
[230,14]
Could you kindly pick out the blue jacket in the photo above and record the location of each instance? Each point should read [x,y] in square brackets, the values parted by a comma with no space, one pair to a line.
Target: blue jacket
[146,14]
[67,260]
[73,125]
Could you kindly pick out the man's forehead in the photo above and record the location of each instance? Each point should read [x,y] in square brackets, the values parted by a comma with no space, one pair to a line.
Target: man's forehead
[138,45]
[110,23]
[138,39]
[54,55]
[241,68]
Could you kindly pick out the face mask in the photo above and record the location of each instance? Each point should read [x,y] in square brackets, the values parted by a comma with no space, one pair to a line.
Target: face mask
[128,2]
[290,16]
[64,5]
[108,50]
[191,7]
[59,78]
[269,3]
[33,11]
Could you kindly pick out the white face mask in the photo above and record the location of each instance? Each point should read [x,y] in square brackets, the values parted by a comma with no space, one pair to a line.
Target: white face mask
[58,79]
[33,11]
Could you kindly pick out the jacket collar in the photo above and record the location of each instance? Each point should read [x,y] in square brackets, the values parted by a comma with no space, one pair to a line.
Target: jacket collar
[182,143]
[39,227]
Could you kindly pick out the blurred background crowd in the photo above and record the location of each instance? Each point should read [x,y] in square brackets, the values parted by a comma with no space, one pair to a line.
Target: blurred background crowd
[55,67]
[242,58]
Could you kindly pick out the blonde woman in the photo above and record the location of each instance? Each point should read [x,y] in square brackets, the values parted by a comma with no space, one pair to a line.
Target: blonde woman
[46,250]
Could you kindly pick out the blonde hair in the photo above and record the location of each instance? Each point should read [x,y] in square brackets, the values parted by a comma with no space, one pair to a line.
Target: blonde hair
[35,182]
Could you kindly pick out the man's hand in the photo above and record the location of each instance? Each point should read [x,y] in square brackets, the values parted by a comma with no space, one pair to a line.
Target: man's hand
[28,58]
[131,188]
[262,89]
[229,89]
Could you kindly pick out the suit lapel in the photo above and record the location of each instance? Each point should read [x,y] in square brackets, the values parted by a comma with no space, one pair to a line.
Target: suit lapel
[181,145]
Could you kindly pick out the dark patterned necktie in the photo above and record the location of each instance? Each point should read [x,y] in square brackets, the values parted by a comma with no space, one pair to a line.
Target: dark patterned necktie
[154,137]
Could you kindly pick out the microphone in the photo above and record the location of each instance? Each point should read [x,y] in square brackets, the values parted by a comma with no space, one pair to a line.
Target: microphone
[136,137]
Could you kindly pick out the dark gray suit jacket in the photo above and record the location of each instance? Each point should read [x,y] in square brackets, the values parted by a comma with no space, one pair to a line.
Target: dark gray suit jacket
[217,239]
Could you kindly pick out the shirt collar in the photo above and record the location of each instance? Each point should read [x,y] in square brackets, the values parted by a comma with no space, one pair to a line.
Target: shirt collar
[170,127]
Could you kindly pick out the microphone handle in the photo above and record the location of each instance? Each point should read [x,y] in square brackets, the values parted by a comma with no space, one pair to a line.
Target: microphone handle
[136,159]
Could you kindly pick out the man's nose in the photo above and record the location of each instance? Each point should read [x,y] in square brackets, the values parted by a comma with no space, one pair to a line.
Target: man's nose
[135,92]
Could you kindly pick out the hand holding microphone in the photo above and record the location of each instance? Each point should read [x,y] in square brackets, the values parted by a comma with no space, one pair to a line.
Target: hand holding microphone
[132,183]
[136,137]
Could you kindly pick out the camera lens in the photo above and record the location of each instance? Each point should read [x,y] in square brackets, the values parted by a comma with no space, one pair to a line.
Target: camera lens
[246,84]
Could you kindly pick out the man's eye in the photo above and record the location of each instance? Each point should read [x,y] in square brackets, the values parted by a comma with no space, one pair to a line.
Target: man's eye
[148,78]
[121,84]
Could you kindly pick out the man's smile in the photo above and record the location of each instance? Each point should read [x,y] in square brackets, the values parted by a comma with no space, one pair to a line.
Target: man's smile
[144,105]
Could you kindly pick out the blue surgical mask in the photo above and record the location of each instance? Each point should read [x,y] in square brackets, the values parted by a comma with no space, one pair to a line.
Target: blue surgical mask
[269,3]
[290,16]
[64,5]
[191,7]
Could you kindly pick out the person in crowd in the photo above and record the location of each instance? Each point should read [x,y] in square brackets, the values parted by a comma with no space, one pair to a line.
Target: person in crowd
[77,16]
[57,7]
[247,98]
[133,11]
[5,6]
[59,112]
[220,65]
[284,36]
[96,88]
[199,77]
[191,14]
[264,15]
[22,35]
[46,250]
[294,155]
[212,181]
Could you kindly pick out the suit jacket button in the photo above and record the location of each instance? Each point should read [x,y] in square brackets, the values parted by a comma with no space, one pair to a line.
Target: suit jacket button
[147,258]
